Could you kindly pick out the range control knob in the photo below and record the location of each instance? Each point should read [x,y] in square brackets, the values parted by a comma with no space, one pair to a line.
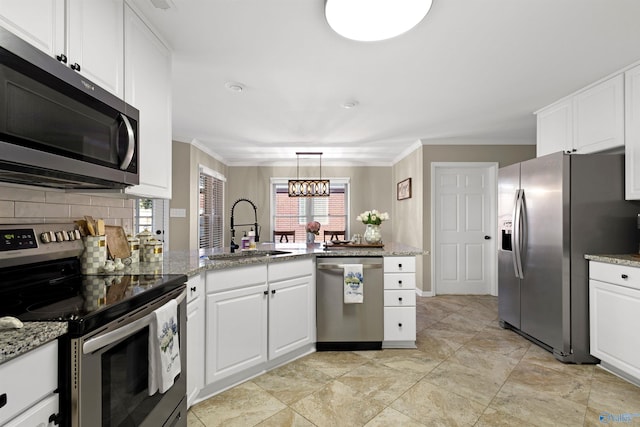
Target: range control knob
[44,237]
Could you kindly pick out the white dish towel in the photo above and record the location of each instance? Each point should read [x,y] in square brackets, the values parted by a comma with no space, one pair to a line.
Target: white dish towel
[164,348]
[353,284]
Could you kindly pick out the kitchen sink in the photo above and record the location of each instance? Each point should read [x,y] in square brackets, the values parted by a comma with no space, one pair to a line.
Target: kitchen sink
[246,254]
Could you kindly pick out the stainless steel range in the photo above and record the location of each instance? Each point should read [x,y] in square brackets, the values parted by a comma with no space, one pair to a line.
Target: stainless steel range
[103,372]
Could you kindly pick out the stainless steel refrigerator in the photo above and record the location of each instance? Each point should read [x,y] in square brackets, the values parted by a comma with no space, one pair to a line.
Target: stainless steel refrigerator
[552,210]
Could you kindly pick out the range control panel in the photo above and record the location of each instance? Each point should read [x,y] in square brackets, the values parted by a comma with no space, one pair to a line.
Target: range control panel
[22,244]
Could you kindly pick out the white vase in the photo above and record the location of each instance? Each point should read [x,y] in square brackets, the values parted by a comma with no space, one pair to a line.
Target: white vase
[311,237]
[372,234]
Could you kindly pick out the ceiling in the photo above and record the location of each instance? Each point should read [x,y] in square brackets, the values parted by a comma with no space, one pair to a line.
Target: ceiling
[472,71]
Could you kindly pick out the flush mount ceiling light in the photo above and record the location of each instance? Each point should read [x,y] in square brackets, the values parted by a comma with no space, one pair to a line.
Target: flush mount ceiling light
[234,87]
[372,20]
[309,187]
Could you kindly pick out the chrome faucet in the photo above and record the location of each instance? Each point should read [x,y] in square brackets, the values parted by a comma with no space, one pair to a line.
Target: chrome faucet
[233,246]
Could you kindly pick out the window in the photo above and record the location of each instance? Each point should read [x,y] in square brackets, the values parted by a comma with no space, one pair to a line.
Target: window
[151,214]
[211,220]
[293,213]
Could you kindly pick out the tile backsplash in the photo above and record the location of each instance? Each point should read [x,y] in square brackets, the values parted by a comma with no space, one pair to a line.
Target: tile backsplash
[20,205]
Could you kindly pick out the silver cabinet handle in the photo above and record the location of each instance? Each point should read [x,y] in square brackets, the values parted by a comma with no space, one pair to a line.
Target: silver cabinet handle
[131,143]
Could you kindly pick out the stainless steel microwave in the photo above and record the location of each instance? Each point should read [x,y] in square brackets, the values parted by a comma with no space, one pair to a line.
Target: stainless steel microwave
[58,129]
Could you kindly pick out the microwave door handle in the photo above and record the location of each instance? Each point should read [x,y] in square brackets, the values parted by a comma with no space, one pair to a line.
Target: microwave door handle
[109,338]
[131,143]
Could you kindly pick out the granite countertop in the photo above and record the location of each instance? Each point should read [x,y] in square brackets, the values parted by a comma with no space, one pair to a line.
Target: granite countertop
[15,342]
[630,260]
[194,262]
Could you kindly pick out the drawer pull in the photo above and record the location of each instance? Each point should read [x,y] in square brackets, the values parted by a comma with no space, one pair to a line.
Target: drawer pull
[273,291]
[400,325]
[400,282]
[266,292]
[3,399]
[193,289]
[624,276]
[399,265]
[400,299]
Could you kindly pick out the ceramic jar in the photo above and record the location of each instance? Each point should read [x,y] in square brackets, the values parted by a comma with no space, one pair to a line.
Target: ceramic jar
[152,251]
[134,248]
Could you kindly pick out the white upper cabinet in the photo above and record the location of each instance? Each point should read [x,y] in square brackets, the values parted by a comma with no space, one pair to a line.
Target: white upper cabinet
[44,29]
[590,121]
[148,88]
[599,116]
[632,133]
[95,42]
[555,129]
[86,35]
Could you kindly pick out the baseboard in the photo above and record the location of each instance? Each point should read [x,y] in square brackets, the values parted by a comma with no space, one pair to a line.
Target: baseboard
[422,293]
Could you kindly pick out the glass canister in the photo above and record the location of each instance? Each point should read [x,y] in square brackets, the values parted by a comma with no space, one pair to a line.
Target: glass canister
[152,251]
[134,248]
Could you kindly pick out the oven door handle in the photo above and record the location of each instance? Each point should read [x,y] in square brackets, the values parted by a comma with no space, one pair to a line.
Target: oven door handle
[109,338]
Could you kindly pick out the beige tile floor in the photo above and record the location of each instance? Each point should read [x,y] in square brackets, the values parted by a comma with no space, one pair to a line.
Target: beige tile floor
[466,371]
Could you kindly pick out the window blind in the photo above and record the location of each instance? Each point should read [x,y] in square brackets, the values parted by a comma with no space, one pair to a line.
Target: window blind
[210,227]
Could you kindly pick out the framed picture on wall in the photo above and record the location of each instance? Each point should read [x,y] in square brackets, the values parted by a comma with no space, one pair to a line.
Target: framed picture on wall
[404,189]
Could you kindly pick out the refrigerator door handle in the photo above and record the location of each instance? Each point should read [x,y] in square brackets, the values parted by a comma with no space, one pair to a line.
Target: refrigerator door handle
[516,235]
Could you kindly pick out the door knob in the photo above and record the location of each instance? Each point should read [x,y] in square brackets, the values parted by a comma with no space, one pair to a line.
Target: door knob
[487,237]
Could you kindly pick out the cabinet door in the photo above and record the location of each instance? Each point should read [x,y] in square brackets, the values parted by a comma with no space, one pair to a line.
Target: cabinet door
[632,134]
[195,339]
[95,42]
[555,128]
[599,117]
[39,415]
[44,30]
[614,313]
[148,88]
[41,364]
[236,331]
[291,315]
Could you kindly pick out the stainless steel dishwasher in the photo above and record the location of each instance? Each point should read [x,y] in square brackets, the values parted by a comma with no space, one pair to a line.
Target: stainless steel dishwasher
[349,326]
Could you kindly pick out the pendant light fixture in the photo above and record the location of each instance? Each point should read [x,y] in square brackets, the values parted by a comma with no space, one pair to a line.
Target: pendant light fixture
[373,20]
[308,187]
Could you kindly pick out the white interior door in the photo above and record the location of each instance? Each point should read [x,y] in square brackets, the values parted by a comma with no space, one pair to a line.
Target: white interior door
[464,228]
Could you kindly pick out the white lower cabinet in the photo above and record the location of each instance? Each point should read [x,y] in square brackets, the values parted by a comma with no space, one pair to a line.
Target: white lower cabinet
[236,325]
[27,385]
[614,310]
[292,306]
[195,337]
[399,302]
[257,317]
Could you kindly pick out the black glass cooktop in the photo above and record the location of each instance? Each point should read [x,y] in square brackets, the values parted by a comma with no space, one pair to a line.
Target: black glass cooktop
[56,291]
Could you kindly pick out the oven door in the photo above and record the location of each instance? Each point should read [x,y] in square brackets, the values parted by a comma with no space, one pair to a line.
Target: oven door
[112,374]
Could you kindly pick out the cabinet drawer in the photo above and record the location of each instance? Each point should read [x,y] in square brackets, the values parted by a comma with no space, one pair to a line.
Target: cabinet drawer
[400,264]
[617,274]
[234,278]
[395,298]
[400,281]
[290,269]
[399,323]
[40,363]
